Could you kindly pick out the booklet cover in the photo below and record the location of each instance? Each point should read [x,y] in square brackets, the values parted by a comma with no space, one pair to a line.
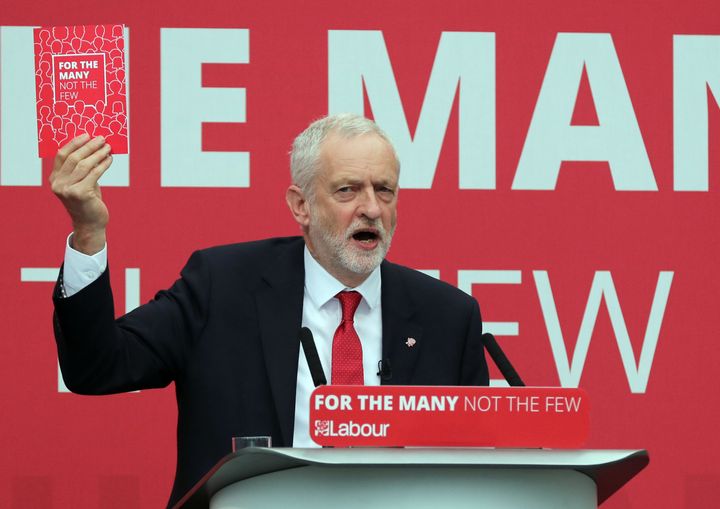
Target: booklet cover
[80,85]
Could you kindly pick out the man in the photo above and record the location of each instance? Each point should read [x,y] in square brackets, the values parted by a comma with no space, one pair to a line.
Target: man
[226,332]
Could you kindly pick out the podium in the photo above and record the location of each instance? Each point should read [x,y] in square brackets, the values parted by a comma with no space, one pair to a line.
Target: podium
[415,478]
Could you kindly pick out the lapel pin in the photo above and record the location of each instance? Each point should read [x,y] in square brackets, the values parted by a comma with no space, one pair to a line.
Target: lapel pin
[410,342]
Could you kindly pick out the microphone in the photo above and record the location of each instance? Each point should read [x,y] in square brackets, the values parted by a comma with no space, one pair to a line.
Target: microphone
[501,361]
[313,360]
[384,369]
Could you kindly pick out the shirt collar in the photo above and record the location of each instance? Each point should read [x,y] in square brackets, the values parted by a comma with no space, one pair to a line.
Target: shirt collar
[321,286]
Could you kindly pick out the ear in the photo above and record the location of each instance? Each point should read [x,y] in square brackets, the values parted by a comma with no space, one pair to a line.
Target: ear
[297,202]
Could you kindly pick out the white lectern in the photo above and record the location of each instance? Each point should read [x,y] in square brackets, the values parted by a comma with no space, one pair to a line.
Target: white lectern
[416,478]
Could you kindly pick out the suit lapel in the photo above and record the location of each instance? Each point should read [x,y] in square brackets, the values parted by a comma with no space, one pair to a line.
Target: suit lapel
[398,327]
[279,305]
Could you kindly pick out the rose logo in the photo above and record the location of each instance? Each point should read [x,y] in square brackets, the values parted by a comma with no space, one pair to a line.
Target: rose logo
[322,428]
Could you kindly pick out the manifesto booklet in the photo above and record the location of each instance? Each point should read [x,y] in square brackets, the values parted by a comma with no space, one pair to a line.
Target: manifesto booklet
[80,85]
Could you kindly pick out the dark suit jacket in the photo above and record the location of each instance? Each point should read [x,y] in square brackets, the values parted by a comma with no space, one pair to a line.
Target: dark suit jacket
[227,334]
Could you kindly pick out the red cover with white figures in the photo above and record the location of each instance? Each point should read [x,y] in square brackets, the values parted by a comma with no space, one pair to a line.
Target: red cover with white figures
[80,85]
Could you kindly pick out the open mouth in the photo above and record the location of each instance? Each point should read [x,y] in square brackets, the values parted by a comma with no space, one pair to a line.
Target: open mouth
[366,236]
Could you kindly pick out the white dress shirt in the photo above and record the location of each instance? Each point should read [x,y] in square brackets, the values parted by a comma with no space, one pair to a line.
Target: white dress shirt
[321,314]
[80,269]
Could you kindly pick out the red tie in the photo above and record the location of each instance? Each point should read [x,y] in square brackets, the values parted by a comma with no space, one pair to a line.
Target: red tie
[347,365]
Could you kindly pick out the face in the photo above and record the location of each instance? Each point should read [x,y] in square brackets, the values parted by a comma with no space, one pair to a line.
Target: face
[352,213]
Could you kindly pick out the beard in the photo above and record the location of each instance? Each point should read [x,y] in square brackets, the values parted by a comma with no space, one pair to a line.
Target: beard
[338,249]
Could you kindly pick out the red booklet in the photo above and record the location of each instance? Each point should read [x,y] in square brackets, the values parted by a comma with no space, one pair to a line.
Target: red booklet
[80,85]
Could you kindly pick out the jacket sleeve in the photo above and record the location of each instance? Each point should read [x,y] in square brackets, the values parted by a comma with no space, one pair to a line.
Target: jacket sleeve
[147,348]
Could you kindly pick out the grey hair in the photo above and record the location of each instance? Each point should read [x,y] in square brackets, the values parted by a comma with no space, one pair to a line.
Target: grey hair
[305,153]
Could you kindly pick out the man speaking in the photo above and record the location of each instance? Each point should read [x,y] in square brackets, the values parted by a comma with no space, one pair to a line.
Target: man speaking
[227,331]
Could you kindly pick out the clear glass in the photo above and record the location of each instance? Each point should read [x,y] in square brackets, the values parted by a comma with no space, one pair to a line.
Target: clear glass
[243,442]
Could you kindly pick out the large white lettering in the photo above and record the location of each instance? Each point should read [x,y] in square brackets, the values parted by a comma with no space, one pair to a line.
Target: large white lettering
[468,278]
[464,65]
[19,163]
[602,286]
[551,139]
[696,66]
[465,61]
[185,104]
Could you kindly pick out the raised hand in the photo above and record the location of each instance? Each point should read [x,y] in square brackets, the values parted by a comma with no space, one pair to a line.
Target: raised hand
[74,180]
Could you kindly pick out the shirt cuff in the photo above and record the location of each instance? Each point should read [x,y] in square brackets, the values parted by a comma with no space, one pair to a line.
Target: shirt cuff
[80,269]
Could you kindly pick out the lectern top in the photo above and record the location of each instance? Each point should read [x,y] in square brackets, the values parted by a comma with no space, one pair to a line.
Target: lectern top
[609,469]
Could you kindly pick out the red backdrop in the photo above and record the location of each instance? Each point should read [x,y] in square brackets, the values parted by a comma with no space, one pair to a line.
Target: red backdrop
[628,229]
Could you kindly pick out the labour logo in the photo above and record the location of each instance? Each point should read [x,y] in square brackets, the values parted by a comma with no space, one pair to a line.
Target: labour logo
[322,428]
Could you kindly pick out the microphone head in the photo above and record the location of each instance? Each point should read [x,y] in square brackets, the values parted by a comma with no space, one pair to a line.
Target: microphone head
[305,334]
[384,369]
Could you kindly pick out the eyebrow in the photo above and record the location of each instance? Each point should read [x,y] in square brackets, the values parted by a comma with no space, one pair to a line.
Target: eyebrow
[345,181]
[355,181]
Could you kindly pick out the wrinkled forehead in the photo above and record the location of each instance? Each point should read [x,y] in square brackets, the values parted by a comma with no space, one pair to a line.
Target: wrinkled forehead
[364,152]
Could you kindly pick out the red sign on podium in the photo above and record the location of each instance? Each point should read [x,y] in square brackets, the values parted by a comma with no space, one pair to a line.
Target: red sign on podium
[397,416]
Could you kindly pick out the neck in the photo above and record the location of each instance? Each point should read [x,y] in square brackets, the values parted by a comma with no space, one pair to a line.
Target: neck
[351,280]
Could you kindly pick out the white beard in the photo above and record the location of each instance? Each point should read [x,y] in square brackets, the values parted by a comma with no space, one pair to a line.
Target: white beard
[341,252]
